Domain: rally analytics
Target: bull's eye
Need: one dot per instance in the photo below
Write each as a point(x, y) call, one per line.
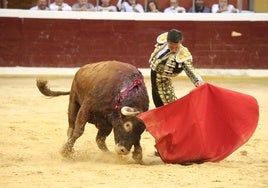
point(128, 126)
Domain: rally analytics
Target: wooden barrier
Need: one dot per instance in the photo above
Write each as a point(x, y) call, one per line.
point(71, 39)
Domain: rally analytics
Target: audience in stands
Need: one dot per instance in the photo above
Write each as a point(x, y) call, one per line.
point(59, 5)
point(105, 6)
point(133, 6)
point(152, 6)
point(223, 7)
point(199, 6)
point(41, 5)
point(174, 7)
point(83, 5)
point(129, 6)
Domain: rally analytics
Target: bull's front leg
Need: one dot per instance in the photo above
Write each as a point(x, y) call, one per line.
point(137, 153)
point(101, 137)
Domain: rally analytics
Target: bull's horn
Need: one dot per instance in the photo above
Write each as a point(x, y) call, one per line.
point(129, 111)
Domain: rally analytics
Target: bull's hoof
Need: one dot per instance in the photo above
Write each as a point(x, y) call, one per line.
point(102, 145)
point(137, 157)
point(67, 151)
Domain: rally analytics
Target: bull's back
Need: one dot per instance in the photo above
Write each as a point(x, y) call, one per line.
point(100, 68)
point(104, 79)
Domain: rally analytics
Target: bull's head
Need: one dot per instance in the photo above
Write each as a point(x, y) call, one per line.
point(127, 131)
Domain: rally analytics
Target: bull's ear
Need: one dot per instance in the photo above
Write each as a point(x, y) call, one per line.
point(129, 111)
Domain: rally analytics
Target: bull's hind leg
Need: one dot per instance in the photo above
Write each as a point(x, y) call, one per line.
point(77, 130)
point(72, 114)
point(101, 137)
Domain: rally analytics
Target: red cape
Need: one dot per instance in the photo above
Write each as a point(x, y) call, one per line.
point(208, 124)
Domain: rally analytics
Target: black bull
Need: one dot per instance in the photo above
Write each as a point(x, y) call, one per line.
point(108, 94)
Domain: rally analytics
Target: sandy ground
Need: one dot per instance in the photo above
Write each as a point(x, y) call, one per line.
point(33, 130)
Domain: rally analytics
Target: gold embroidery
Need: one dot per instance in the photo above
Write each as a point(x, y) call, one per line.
point(162, 38)
point(183, 55)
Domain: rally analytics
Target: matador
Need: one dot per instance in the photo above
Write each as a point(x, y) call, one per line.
point(169, 59)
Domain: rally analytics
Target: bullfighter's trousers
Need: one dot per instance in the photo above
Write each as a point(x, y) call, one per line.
point(162, 89)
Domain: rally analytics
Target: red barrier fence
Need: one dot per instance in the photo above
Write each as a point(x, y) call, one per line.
point(71, 39)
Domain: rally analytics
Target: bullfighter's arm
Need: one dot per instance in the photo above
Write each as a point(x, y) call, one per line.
point(191, 73)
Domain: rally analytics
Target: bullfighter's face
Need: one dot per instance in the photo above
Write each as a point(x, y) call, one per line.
point(174, 47)
point(127, 132)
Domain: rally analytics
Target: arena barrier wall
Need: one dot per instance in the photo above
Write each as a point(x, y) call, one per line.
point(72, 39)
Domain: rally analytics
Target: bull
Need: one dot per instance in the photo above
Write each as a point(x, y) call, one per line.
point(108, 94)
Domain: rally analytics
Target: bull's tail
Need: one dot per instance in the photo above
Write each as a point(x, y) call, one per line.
point(44, 89)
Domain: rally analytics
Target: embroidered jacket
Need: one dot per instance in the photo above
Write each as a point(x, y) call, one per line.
point(168, 65)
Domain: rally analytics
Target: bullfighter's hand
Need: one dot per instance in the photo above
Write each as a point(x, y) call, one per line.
point(199, 83)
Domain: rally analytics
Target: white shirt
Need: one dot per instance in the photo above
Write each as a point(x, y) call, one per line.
point(37, 8)
point(215, 8)
point(126, 7)
point(106, 9)
point(162, 51)
point(175, 10)
point(55, 7)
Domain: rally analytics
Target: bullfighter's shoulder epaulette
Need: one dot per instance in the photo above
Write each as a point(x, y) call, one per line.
point(162, 38)
point(183, 55)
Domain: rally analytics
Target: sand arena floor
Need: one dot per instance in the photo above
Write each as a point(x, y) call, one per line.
point(33, 130)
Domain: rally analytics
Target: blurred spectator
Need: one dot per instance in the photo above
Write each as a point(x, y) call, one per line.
point(199, 6)
point(41, 5)
point(83, 5)
point(4, 4)
point(105, 6)
point(223, 7)
point(174, 7)
point(152, 6)
point(129, 6)
point(59, 5)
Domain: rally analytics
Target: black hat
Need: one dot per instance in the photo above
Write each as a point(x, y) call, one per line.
point(174, 35)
